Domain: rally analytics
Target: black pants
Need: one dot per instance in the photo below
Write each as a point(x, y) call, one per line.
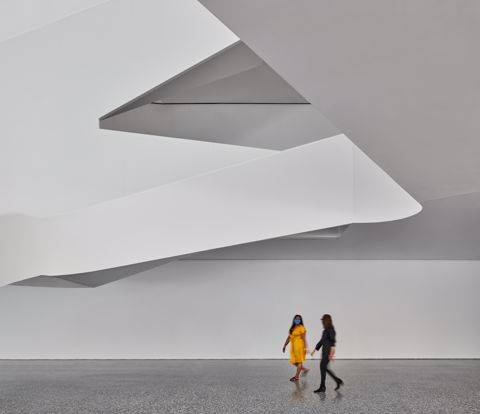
point(324, 370)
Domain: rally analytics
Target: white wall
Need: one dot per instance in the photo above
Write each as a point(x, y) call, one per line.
point(242, 309)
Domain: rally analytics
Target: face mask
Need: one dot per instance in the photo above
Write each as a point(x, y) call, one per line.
point(297, 321)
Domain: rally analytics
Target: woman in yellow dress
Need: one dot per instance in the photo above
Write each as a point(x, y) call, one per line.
point(297, 337)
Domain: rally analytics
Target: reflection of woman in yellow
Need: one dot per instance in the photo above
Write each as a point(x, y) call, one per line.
point(298, 346)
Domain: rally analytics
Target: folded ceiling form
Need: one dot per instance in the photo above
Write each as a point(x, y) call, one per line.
point(235, 98)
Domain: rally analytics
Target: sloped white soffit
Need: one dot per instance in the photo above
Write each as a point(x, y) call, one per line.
point(324, 184)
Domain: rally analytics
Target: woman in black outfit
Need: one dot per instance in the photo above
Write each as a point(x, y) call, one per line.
point(327, 343)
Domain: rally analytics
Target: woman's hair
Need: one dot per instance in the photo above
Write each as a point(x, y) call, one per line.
point(327, 321)
point(293, 322)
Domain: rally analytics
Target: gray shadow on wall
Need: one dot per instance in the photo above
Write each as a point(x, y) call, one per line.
point(92, 279)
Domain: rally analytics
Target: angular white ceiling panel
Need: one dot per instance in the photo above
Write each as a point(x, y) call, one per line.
point(232, 97)
point(234, 74)
point(278, 126)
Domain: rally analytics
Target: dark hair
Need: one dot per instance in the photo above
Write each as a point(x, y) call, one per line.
point(327, 321)
point(293, 323)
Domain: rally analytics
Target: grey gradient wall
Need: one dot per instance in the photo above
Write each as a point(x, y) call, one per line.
point(242, 309)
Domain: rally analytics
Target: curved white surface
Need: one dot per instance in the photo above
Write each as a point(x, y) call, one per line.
point(306, 188)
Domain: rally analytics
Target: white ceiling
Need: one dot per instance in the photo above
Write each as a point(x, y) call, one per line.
point(400, 78)
point(18, 17)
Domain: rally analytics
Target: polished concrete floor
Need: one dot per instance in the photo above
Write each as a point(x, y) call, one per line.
point(65, 387)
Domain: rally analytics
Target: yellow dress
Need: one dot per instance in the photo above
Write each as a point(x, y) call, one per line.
point(297, 345)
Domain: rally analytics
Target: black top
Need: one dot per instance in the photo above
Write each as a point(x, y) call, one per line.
point(328, 339)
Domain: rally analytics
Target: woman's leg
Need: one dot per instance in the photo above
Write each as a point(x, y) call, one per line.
point(335, 378)
point(332, 374)
point(299, 369)
point(323, 374)
point(323, 371)
point(297, 372)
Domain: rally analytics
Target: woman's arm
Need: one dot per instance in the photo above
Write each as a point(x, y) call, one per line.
point(286, 343)
point(331, 355)
point(319, 344)
point(317, 347)
point(333, 341)
point(304, 337)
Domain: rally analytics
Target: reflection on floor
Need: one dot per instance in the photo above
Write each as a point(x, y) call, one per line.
point(236, 387)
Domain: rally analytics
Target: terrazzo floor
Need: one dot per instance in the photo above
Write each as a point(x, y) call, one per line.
point(152, 386)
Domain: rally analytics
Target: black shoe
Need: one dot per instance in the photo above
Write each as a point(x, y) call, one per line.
point(321, 389)
point(339, 384)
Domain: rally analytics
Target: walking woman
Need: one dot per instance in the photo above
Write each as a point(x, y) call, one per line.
point(327, 343)
point(297, 337)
